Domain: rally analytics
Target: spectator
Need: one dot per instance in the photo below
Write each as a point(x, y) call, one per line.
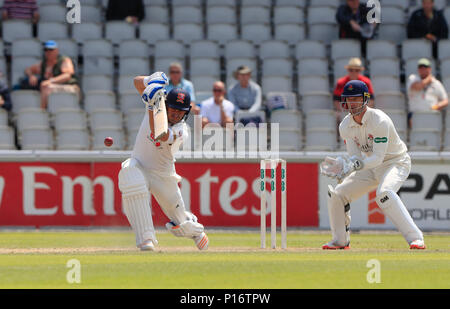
point(245, 94)
point(55, 73)
point(5, 96)
point(428, 23)
point(177, 81)
point(132, 11)
point(352, 19)
point(354, 69)
point(21, 9)
point(217, 109)
point(425, 92)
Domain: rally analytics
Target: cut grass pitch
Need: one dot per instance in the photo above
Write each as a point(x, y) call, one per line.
point(110, 260)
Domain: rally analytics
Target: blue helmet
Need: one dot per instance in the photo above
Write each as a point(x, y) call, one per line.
point(355, 88)
point(179, 99)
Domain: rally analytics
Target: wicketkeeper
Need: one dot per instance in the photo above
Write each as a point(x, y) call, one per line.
point(377, 158)
point(151, 168)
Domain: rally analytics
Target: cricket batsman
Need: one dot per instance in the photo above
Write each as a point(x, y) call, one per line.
point(151, 168)
point(377, 158)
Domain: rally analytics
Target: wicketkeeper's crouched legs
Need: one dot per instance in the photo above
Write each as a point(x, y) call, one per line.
point(136, 201)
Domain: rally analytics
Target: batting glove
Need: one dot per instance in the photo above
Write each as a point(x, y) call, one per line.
point(156, 78)
point(152, 93)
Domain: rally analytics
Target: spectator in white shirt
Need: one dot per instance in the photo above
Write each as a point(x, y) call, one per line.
point(217, 109)
point(425, 92)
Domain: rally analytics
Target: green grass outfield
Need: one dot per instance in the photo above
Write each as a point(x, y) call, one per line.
point(37, 259)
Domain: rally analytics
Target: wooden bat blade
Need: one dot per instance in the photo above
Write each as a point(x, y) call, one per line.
point(160, 118)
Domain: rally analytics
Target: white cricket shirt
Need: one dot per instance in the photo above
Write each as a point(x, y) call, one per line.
point(375, 141)
point(158, 157)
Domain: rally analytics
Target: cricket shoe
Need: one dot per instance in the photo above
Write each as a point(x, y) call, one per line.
point(148, 245)
point(333, 246)
point(417, 245)
point(201, 241)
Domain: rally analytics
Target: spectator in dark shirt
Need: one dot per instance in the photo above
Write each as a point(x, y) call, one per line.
point(5, 97)
point(21, 9)
point(133, 11)
point(428, 23)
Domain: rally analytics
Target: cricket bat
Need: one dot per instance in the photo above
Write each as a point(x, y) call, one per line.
point(160, 117)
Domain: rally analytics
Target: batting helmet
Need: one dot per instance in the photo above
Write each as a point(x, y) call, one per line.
point(355, 88)
point(179, 99)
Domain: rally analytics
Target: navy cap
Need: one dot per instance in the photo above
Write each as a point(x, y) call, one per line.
point(179, 98)
point(50, 45)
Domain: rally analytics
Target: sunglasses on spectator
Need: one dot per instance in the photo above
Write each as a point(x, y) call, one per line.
point(354, 70)
point(48, 49)
point(217, 90)
point(175, 72)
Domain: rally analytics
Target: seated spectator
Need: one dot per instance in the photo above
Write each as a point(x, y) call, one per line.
point(55, 73)
point(428, 23)
point(177, 81)
point(132, 11)
point(246, 94)
point(21, 9)
point(425, 92)
point(354, 69)
point(5, 96)
point(352, 19)
point(217, 109)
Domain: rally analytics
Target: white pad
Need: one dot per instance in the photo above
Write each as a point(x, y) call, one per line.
point(339, 216)
point(189, 228)
point(395, 210)
point(136, 201)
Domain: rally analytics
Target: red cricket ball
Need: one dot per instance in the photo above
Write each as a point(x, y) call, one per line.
point(108, 141)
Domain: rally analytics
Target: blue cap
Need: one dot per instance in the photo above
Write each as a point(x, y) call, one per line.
point(50, 44)
point(355, 88)
point(179, 98)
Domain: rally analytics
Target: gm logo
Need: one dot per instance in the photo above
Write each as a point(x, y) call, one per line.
point(384, 199)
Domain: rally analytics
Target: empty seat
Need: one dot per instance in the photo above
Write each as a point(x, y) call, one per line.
point(97, 82)
point(322, 24)
point(446, 140)
point(130, 101)
point(70, 119)
point(385, 66)
point(447, 13)
point(100, 48)
point(392, 32)
point(134, 119)
point(274, 49)
point(186, 14)
point(256, 33)
point(69, 47)
point(427, 120)
point(90, 13)
point(126, 84)
point(26, 47)
point(188, 32)
point(320, 119)
point(32, 119)
point(298, 3)
point(95, 100)
point(425, 140)
point(291, 33)
point(52, 13)
point(157, 14)
point(58, 101)
point(239, 49)
point(153, 32)
point(52, 31)
point(162, 64)
point(25, 99)
point(36, 139)
point(310, 49)
point(99, 136)
point(321, 140)
point(315, 101)
point(72, 139)
point(416, 49)
point(287, 100)
point(277, 67)
point(203, 82)
point(222, 32)
point(288, 15)
point(3, 118)
point(321, 3)
point(289, 140)
point(118, 31)
point(385, 84)
point(444, 49)
point(276, 83)
point(265, 3)
point(403, 4)
point(393, 15)
point(345, 48)
point(312, 66)
point(133, 65)
point(19, 64)
point(196, 3)
point(399, 119)
point(213, 3)
point(287, 118)
point(393, 100)
point(86, 31)
point(308, 84)
point(15, 29)
point(205, 66)
point(134, 48)
point(255, 15)
point(204, 49)
point(169, 49)
point(445, 68)
point(105, 119)
point(220, 15)
point(7, 139)
point(381, 49)
point(94, 65)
